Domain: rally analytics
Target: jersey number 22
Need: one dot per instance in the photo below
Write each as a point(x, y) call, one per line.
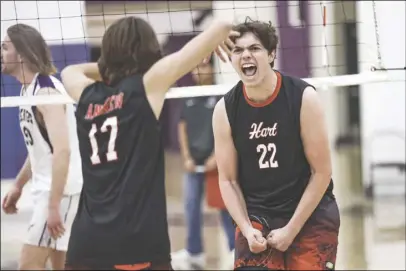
point(111, 154)
point(264, 149)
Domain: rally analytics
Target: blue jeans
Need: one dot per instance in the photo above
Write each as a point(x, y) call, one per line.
point(193, 190)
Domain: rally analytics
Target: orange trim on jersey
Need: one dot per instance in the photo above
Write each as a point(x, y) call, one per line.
point(137, 266)
point(270, 99)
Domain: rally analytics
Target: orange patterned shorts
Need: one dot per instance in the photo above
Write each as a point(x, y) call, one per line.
point(314, 248)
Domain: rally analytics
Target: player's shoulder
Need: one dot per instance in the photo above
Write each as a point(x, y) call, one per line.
point(220, 106)
point(220, 115)
point(46, 82)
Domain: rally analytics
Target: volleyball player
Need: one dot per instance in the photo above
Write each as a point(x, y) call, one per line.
point(53, 161)
point(122, 221)
point(274, 162)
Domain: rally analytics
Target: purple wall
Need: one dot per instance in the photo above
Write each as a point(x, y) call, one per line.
point(294, 46)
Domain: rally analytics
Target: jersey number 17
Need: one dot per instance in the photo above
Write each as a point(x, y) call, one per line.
point(111, 154)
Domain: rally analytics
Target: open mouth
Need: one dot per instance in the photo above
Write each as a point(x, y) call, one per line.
point(249, 69)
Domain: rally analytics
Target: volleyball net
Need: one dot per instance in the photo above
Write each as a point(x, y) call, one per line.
point(312, 44)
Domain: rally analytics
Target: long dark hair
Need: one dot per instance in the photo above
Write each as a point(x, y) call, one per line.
point(129, 46)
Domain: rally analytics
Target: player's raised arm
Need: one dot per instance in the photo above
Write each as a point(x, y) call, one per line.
point(77, 77)
point(171, 68)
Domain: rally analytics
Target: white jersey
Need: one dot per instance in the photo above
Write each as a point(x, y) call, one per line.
point(39, 146)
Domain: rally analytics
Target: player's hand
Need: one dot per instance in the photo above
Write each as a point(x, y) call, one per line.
point(54, 223)
point(190, 165)
point(10, 200)
point(281, 239)
point(226, 46)
point(256, 240)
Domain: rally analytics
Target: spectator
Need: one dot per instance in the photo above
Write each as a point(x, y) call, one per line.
point(197, 149)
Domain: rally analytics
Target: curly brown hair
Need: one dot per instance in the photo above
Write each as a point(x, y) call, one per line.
point(264, 31)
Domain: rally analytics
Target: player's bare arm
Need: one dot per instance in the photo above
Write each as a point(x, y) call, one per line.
point(77, 77)
point(316, 146)
point(171, 68)
point(210, 163)
point(57, 127)
point(24, 175)
point(226, 158)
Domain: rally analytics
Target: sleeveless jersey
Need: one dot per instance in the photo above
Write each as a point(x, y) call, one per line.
point(122, 211)
point(38, 144)
point(273, 171)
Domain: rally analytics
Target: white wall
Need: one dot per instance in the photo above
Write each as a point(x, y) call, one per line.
point(54, 19)
point(383, 104)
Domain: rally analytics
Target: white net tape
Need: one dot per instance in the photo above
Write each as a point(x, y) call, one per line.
point(321, 83)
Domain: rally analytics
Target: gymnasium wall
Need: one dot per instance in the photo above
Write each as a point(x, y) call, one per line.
point(303, 42)
point(66, 39)
point(383, 104)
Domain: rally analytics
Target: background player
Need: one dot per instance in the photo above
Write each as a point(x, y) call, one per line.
point(121, 221)
point(53, 161)
point(197, 148)
point(278, 185)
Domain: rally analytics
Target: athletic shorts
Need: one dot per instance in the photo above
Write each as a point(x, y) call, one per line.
point(138, 266)
point(314, 248)
point(38, 234)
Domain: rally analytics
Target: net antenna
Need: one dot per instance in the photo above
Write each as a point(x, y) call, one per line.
point(379, 65)
point(324, 35)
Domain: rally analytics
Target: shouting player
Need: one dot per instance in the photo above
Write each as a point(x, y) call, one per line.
point(273, 156)
point(53, 162)
point(122, 221)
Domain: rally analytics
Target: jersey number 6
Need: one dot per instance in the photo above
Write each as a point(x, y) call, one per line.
point(111, 154)
point(264, 149)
